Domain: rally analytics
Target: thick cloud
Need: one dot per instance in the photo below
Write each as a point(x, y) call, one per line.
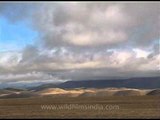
point(97, 25)
point(84, 41)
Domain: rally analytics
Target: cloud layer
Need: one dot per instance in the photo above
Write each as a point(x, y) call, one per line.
point(87, 40)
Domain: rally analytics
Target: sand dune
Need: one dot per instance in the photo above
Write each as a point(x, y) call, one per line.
point(62, 92)
point(20, 95)
point(154, 92)
point(114, 92)
point(94, 92)
point(81, 92)
point(5, 92)
point(51, 91)
point(88, 94)
point(128, 93)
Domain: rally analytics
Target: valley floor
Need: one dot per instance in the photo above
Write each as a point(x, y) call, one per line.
point(81, 107)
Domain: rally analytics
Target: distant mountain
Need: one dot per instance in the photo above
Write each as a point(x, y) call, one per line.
point(145, 82)
point(15, 89)
point(44, 86)
point(139, 83)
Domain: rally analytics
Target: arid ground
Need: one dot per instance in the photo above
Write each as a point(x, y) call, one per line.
point(81, 107)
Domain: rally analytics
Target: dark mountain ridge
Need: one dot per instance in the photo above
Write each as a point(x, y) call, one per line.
point(139, 83)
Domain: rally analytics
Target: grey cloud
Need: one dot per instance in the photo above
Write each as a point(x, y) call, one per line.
point(155, 51)
point(29, 53)
point(87, 40)
point(136, 25)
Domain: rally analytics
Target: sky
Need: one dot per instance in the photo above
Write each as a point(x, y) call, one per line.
point(59, 41)
point(11, 40)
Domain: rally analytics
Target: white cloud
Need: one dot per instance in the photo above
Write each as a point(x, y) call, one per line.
point(9, 58)
point(141, 53)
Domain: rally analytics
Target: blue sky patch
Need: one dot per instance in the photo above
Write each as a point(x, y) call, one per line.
point(15, 36)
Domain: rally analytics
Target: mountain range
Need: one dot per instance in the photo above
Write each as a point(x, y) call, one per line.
point(138, 83)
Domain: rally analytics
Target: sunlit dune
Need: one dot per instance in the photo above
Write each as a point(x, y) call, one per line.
point(52, 91)
point(58, 91)
point(80, 92)
point(94, 92)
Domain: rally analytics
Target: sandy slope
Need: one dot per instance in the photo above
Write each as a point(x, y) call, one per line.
point(58, 91)
point(154, 92)
point(92, 92)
